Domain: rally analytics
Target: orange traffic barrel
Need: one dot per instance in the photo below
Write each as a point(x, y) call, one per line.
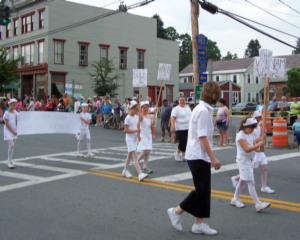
point(268, 122)
point(280, 133)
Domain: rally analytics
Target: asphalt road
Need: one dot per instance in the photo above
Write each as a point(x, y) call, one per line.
point(52, 194)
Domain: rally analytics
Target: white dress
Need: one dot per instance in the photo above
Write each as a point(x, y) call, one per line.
point(259, 157)
point(146, 135)
point(131, 138)
point(12, 120)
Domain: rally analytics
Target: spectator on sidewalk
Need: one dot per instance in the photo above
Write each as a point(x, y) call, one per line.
point(294, 110)
point(283, 106)
point(117, 111)
point(165, 115)
point(296, 128)
point(272, 107)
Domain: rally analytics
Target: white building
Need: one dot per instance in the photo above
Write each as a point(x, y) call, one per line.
point(57, 51)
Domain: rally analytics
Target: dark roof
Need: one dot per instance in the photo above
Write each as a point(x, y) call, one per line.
point(244, 63)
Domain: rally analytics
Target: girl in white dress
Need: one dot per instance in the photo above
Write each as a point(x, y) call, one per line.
point(10, 129)
point(145, 136)
point(246, 145)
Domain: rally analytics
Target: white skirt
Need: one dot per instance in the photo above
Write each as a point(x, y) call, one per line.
point(145, 143)
point(259, 159)
point(9, 136)
point(246, 170)
point(84, 134)
point(131, 145)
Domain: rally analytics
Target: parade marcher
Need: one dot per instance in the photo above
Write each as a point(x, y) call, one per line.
point(294, 110)
point(10, 129)
point(131, 129)
point(180, 117)
point(199, 157)
point(117, 114)
point(165, 123)
point(246, 145)
point(145, 136)
point(222, 122)
point(84, 133)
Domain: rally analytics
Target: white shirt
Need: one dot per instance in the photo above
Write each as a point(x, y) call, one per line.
point(257, 132)
point(182, 115)
point(241, 154)
point(76, 106)
point(200, 125)
point(86, 116)
point(132, 122)
point(12, 120)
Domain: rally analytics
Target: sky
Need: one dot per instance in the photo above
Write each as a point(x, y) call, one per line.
point(227, 33)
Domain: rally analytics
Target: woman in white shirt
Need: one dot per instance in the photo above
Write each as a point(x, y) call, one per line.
point(199, 157)
point(180, 117)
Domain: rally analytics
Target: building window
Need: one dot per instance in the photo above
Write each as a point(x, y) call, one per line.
point(217, 78)
point(248, 78)
point(15, 52)
point(248, 97)
point(257, 97)
point(123, 57)
point(169, 93)
point(185, 80)
point(234, 79)
point(83, 53)
point(27, 54)
point(8, 30)
point(235, 97)
point(58, 80)
point(41, 18)
point(41, 51)
point(27, 23)
point(7, 51)
point(141, 58)
point(0, 32)
point(16, 26)
point(59, 51)
point(103, 53)
point(256, 80)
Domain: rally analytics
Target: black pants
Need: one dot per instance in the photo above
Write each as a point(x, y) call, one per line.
point(182, 136)
point(197, 202)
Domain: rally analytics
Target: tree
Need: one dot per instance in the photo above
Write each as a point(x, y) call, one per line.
point(105, 78)
point(297, 51)
point(293, 82)
point(171, 33)
point(213, 52)
point(8, 69)
point(230, 56)
point(252, 49)
point(161, 32)
point(185, 51)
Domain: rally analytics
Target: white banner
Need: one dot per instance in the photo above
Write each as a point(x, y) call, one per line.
point(277, 69)
point(37, 122)
point(262, 64)
point(164, 71)
point(139, 77)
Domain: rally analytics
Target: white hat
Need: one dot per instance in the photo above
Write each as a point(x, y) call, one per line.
point(132, 103)
point(12, 101)
point(84, 105)
point(256, 114)
point(250, 121)
point(144, 103)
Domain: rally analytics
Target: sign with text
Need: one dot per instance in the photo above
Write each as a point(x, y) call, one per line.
point(262, 63)
point(36, 122)
point(201, 41)
point(202, 53)
point(202, 64)
point(198, 91)
point(139, 77)
point(68, 88)
point(164, 71)
point(202, 77)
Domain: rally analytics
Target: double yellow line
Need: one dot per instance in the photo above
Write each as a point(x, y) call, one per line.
point(185, 188)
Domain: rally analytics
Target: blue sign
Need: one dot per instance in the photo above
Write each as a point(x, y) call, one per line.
point(202, 53)
point(201, 41)
point(202, 64)
point(202, 77)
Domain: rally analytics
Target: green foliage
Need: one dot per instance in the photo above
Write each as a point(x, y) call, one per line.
point(8, 69)
point(171, 33)
point(213, 52)
point(185, 51)
point(230, 56)
point(161, 32)
point(297, 51)
point(105, 78)
point(252, 49)
point(293, 82)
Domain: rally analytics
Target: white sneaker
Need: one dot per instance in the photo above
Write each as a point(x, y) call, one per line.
point(169, 140)
point(261, 206)
point(234, 181)
point(162, 140)
point(126, 174)
point(203, 228)
point(237, 203)
point(96, 125)
point(10, 165)
point(183, 159)
point(267, 190)
point(80, 155)
point(177, 156)
point(175, 219)
point(142, 176)
point(91, 155)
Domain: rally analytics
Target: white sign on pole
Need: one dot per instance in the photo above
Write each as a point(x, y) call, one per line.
point(262, 64)
point(277, 69)
point(139, 77)
point(47, 123)
point(164, 71)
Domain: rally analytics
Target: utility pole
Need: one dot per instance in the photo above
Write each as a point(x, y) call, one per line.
point(195, 32)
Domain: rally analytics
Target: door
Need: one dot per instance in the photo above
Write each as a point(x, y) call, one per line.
point(27, 86)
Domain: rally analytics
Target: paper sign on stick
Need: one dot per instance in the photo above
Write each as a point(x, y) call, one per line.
point(277, 69)
point(139, 78)
point(262, 64)
point(164, 71)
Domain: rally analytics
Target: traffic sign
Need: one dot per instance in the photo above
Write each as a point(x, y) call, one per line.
point(202, 77)
point(202, 64)
point(12, 85)
point(202, 53)
point(201, 41)
point(198, 91)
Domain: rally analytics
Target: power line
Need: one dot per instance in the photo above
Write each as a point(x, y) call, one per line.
point(273, 14)
point(289, 6)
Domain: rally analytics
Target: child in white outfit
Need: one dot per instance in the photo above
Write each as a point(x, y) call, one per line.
point(246, 146)
point(10, 129)
point(85, 118)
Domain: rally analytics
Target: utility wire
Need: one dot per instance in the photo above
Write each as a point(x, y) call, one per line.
point(273, 14)
point(289, 6)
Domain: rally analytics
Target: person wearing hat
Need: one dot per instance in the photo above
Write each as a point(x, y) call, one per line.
point(10, 129)
point(131, 129)
point(246, 147)
point(84, 133)
point(260, 158)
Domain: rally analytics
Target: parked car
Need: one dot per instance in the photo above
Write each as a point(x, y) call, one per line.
point(244, 108)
